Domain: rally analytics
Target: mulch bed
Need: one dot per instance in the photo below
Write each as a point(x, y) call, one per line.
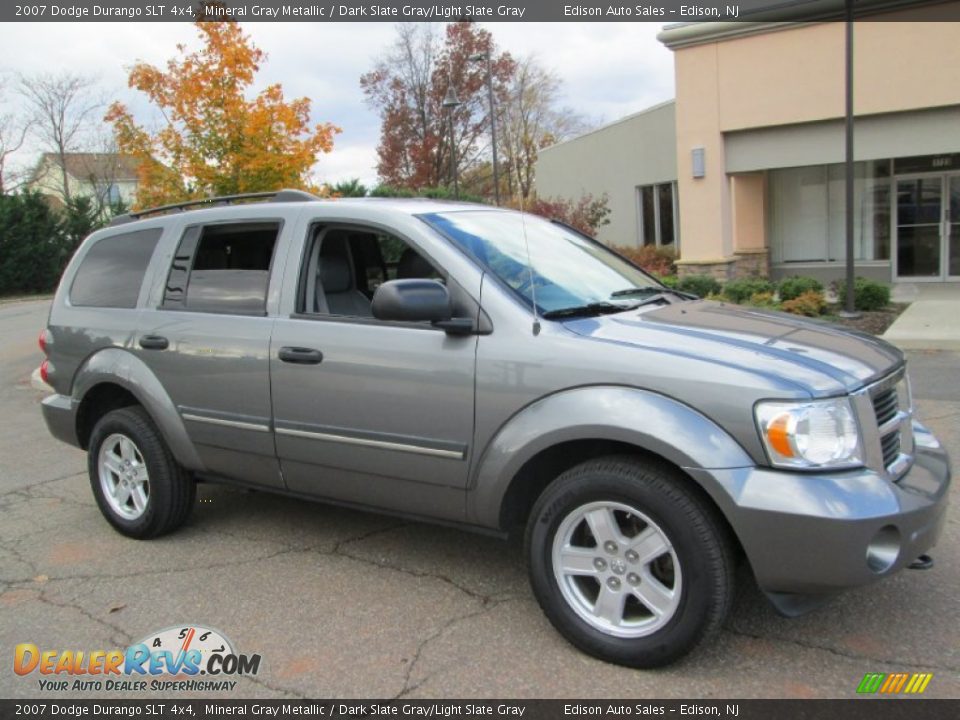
point(875, 322)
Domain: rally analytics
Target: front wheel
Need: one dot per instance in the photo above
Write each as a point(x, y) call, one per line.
point(628, 563)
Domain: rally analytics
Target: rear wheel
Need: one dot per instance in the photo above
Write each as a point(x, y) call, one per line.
point(138, 485)
point(629, 564)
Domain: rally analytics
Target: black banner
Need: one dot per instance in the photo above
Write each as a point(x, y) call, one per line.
point(854, 709)
point(663, 11)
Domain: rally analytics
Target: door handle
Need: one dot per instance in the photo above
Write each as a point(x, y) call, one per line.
point(154, 342)
point(300, 356)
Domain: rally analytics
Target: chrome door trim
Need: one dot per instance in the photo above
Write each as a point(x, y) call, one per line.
point(239, 425)
point(368, 442)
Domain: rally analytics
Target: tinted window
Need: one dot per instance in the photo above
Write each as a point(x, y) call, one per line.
point(113, 269)
point(223, 268)
point(535, 257)
point(343, 268)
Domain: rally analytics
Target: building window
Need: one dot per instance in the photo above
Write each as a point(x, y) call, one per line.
point(808, 213)
point(658, 214)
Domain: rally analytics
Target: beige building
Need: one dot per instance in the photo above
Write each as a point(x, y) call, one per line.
point(758, 140)
point(107, 178)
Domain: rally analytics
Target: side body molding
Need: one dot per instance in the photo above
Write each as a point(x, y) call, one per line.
point(654, 422)
point(120, 367)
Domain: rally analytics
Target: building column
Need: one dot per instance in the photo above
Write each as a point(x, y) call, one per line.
point(749, 224)
point(705, 218)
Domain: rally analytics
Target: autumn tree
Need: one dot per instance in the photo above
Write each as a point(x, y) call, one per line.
point(586, 214)
point(214, 140)
point(407, 88)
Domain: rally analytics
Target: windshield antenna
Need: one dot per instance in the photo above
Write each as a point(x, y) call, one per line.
point(526, 242)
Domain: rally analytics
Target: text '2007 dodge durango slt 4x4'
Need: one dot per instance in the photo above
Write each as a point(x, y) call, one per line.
point(483, 367)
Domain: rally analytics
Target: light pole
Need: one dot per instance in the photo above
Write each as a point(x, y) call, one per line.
point(451, 102)
point(849, 307)
point(493, 123)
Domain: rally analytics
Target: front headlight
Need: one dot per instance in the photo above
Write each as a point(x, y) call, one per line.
point(813, 434)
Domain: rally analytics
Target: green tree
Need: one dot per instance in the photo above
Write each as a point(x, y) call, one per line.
point(349, 188)
point(79, 218)
point(32, 245)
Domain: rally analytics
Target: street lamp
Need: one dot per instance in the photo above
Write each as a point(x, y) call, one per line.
point(493, 123)
point(451, 102)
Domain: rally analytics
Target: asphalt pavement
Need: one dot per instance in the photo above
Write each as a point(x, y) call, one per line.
point(354, 605)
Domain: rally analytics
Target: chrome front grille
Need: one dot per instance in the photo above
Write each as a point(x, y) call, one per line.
point(888, 429)
point(890, 447)
point(885, 405)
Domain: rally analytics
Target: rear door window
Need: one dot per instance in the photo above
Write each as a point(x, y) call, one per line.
point(222, 268)
point(112, 271)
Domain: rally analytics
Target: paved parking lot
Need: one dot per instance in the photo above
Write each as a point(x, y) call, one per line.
point(348, 604)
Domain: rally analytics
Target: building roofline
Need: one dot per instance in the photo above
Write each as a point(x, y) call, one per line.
point(614, 123)
point(774, 16)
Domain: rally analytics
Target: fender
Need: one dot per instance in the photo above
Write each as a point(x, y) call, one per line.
point(654, 422)
point(120, 367)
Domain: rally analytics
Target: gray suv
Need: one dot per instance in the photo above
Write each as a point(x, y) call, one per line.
point(481, 367)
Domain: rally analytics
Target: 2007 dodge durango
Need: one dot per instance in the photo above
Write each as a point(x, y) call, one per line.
point(478, 366)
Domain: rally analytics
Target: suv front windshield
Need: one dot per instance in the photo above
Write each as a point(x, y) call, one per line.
point(569, 271)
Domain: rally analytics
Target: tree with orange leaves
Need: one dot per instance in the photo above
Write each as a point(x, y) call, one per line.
point(214, 140)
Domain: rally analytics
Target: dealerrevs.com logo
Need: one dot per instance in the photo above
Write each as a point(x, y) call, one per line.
point(169, 660)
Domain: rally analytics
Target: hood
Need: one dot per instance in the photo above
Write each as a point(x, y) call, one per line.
point(818, 356)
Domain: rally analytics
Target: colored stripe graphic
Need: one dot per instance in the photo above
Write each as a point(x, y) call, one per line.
point(870, 683)
point(894, 683)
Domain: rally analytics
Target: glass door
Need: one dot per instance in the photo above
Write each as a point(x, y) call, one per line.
point(920, 222)
point(952, 226)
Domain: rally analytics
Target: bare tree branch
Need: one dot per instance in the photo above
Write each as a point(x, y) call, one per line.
point(14, 129)
point(65, 108)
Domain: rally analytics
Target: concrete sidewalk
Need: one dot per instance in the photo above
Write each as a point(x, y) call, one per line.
point(932, 322)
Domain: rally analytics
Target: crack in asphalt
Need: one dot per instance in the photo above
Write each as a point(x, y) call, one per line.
point(487, 602)
point(340, 548)
point(126, 638)
point(409, 687)
point(275, 688)
point(893, 662)
point(25, 490)
point(166, 571)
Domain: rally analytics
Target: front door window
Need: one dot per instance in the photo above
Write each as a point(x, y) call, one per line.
point(928, 227)
point(953, 227)
point(919, 222)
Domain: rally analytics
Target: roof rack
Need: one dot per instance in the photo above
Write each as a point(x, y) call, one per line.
point(278, 196)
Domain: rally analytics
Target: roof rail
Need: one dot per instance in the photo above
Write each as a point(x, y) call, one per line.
point(278, 196)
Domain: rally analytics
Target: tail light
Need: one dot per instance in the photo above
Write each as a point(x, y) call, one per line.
point(45, 371)
point(43, 340)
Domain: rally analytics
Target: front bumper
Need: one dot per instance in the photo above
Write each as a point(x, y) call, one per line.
point(813, 534)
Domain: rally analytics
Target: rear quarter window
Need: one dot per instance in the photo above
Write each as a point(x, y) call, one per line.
point(112, 271)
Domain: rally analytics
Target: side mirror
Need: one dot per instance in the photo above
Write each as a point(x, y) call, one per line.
point(412, 301)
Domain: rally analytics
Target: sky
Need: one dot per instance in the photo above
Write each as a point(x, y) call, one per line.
point(608, 70)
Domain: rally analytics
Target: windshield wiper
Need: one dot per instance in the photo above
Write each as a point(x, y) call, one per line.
point(587, 310)
point(654, 291)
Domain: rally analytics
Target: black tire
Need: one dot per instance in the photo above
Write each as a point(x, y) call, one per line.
point(172, 490)
point(699, 542)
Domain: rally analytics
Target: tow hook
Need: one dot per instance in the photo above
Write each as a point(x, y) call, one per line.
point(923, 562)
